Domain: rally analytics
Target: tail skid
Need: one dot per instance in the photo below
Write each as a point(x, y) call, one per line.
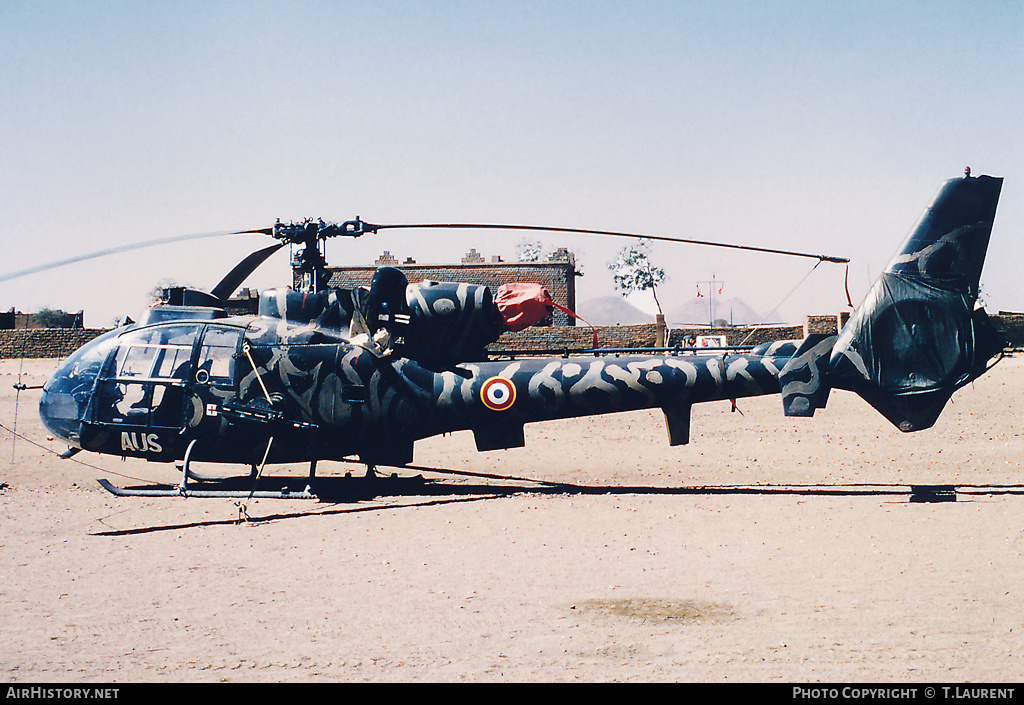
point(917, 337)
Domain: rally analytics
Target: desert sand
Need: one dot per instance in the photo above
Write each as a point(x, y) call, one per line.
point(768, 549)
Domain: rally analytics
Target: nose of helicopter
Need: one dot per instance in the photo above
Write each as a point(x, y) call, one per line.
point(59, 411)
point(65, 396)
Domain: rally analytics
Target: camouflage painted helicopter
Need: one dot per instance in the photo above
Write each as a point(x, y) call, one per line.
point(330, 374)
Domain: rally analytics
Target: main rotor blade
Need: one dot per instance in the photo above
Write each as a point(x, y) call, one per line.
point(126, 248)
point(543, 228)
point(233, 279)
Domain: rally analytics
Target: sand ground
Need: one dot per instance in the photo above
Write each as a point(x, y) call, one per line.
point(769, 549)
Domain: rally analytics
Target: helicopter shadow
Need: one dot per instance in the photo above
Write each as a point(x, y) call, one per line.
point(348, 494)
point(351, 488)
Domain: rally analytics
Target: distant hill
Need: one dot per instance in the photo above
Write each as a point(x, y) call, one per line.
point(612, 311)
point(696, 311)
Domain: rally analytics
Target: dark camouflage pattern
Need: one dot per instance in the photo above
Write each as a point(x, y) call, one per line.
point(357, 373)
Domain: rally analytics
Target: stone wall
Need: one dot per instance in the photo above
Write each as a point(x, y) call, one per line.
point(558, 338)
point(642, 336)
point(61, 342)
point(1012, 324)
point(825, 324)
point(44, 342)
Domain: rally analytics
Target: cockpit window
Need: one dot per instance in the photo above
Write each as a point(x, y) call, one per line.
point(162, 352)
point(145, 381)
point(216, 355)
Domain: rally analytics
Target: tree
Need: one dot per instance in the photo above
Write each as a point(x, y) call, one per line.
point(633, 271)
point(53, 318)
point(529, 250)
point(156, 294)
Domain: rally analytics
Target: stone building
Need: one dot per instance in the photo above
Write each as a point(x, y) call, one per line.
point(47, 318)
point(557, 274)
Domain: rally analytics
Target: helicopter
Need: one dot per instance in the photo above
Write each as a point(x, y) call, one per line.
point(322, 374)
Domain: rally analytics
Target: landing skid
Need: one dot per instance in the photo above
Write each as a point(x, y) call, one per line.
point(188, 491)
point(217, 486)
point(328, 489)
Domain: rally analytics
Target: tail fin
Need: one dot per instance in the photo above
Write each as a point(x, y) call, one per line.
point(918, 337)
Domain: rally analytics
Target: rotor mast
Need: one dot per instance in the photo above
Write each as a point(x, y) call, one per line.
point(309, 266)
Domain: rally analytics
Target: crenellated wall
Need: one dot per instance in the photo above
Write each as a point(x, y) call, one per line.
point(61, 342)
point(44, 342)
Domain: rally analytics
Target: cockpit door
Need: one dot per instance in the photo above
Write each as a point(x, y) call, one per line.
point(210, 416)
point(143, 390)
point(215, 365)
point(213, 381)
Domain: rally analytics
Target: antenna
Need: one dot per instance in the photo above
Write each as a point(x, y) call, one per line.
point(713, 285)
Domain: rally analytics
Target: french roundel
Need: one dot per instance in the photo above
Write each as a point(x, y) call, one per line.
point(498, 394)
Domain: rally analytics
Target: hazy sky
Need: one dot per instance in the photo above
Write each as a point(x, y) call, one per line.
point(814, 126)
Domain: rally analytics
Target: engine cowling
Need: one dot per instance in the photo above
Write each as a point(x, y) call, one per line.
point(450, 323)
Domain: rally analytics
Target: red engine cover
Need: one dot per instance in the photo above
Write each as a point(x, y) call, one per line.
point(522, 304)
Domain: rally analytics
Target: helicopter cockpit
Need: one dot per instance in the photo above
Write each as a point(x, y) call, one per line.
point(140, 381)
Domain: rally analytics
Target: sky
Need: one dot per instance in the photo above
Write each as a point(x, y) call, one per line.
point(819, 127)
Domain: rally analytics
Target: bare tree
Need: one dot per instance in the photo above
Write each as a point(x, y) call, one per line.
point(156, 294)
point(634, 271)
point(529, 250)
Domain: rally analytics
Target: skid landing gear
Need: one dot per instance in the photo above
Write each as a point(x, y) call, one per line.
point(193, 491)
point(217, 486)
point(256, 485)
